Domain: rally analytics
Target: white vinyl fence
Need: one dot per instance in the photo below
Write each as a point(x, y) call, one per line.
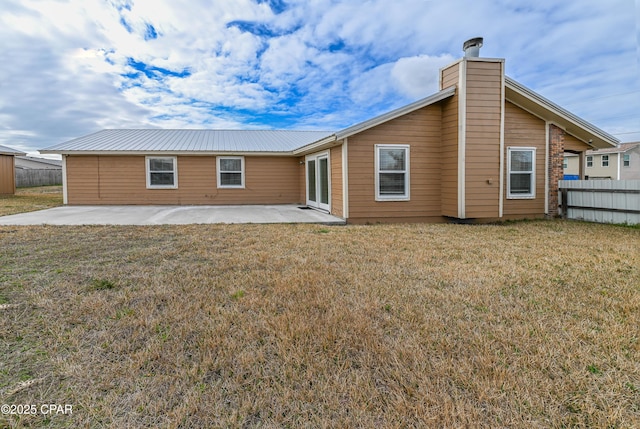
point(604, 201)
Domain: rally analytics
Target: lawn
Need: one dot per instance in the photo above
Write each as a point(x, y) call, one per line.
point(519, 325)
point(31, 199)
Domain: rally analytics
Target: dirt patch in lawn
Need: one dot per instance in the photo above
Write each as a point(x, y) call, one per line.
point(531, 324)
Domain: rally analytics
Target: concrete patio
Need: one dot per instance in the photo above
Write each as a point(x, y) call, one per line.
point(171, 215)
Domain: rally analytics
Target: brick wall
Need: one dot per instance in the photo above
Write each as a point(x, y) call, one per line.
point(556, 155)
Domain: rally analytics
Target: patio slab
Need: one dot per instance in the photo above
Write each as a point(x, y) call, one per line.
point(171, 215)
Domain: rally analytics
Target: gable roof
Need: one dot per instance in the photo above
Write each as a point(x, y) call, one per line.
point(134, 141)
point(535, 103)
point(378, 120)
point(4, 150)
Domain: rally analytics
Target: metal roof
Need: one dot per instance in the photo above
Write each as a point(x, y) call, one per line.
point(4, 150)
point(198, 141)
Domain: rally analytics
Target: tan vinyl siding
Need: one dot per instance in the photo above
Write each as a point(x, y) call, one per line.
point(336, 181)
point(522, 129)
point(449, 157)
point(122, 180)
point(483, 110)
point(449, 76)
point(419, 129)
point(449, 148)
point(7, 175)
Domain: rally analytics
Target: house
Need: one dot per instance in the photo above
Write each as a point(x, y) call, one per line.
point(482, 148)
point(619, 163)
point(7, 170)
point(37, 163)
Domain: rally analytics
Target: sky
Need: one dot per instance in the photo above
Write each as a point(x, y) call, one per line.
point(69, 68)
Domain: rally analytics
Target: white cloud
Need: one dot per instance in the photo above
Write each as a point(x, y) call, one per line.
point(319, 64)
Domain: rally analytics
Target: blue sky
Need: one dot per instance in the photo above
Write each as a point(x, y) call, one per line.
point(70, 68)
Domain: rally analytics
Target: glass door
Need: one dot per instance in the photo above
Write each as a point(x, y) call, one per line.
point(318, 191)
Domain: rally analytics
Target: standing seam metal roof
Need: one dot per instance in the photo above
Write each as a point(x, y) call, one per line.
point(161, 140)
point(4, 150)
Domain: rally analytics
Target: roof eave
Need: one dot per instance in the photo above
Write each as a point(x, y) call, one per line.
point(315, 146)
point(551, 112)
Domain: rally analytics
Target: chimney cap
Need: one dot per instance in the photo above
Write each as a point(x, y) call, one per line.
point(472, 47)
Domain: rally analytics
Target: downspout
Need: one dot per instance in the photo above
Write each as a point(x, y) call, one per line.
point(502, 154)
point(65, 195)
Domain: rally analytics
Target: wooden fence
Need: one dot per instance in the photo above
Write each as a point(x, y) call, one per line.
point(604, 201)
point(37, 177)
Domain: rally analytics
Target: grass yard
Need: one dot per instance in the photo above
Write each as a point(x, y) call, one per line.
point(31, 199)
point(519, 325)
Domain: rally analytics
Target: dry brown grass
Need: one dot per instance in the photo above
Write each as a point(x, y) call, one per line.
point(521, 325)
point(31, 199)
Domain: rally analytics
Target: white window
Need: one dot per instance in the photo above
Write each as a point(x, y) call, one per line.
point(392, 172)
point(565, 163)
point(626, 160)
point(162, 172)
point(589, 161)
point(605, 160)
point(522, 172)
point(230, 171)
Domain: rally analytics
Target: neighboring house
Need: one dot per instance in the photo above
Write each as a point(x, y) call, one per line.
point(482, 148)
point(34, 171)
point(7, 170)
point(618, 163)
point(36, 163)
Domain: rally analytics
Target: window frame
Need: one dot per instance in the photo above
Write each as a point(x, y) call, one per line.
point(219, 173)
point(605, 158)
point(626, 160)
point(532, 180)
point(406, 196)
point(589, 161)
point(174, 160)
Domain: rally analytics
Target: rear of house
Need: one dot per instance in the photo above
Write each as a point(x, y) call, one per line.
point(482, 148)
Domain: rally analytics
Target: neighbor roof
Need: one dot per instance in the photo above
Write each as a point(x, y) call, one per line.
point(4, 150)
point(188, 141)
point(622, 148)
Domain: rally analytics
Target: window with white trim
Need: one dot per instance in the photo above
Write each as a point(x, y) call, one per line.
point(589, 161)
point(626, 160)
point(230, 171)
point(392, 172)
point(162, 172)
point(605, 160)
point(521, 166)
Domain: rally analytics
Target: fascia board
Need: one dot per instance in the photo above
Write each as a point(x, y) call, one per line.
point(315, 146)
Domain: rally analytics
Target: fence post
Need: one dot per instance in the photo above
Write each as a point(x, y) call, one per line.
point(565, 202)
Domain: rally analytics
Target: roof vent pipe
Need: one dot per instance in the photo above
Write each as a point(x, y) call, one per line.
point(472, 47)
